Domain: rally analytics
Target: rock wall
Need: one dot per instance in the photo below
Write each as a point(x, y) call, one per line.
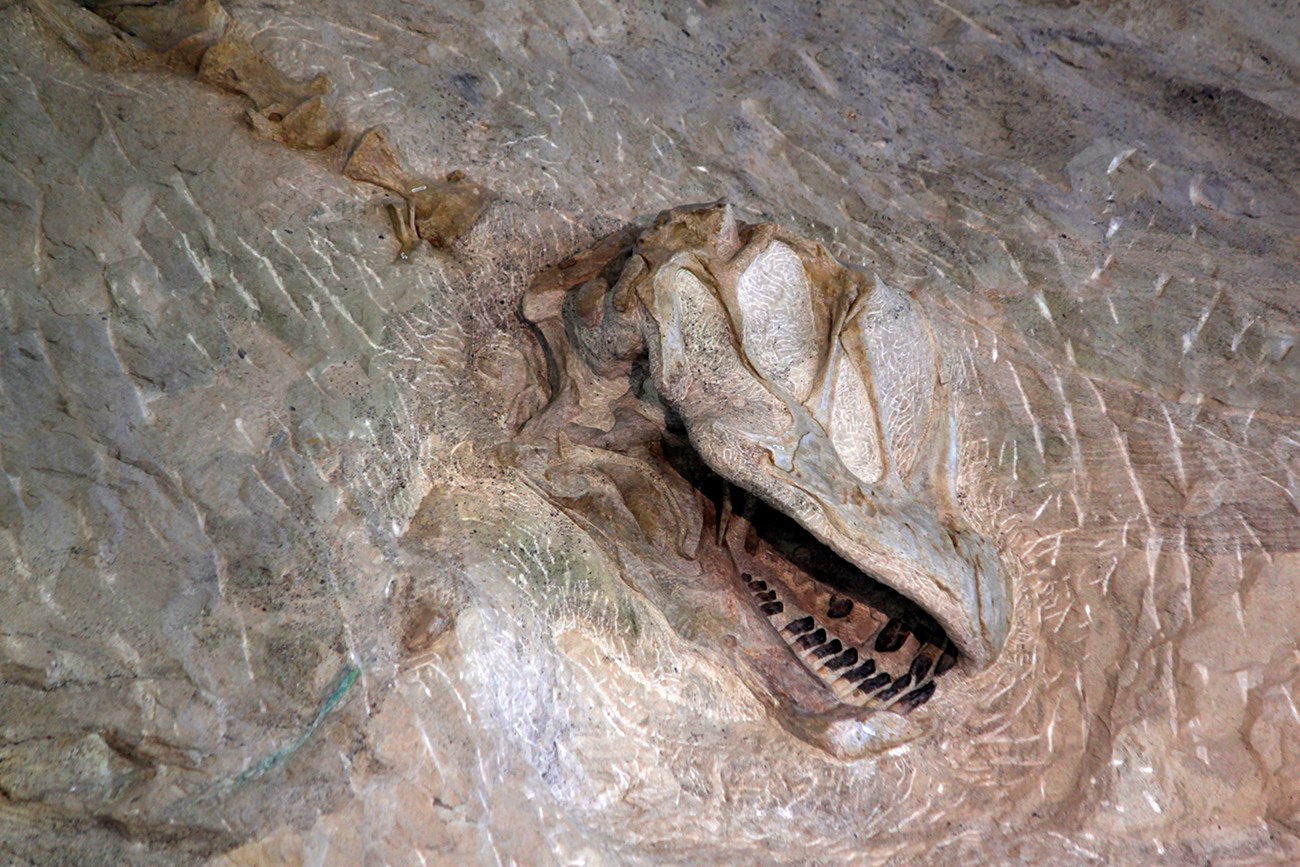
point(278, 584)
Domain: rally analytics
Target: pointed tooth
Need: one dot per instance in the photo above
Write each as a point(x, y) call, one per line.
point(839, 607)
point(800, 626)
point(926, 633)
point(812, 639)
point(862, 672)
point(873, 683)
point(892, 637)
point(947, 660)
point(848, 681)
point(844, 660)
point(916, 698)
point(895, 688)
point(923, 662)
point(830, 648)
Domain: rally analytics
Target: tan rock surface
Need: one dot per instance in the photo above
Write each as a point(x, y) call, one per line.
point(278, 585)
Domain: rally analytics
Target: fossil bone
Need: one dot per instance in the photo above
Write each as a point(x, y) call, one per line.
point(439, 211)
point(224, 405)
point(815, 387)
point(199, 35)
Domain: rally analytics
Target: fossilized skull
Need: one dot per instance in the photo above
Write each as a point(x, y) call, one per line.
point(820, 390)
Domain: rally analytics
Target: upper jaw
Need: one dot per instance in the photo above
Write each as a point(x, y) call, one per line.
point(954, 574)
point(821, 393)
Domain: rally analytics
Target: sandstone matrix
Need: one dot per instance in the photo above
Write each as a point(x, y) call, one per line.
point(387, 419)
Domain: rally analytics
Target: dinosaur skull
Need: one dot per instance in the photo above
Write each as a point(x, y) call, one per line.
point(816, 389)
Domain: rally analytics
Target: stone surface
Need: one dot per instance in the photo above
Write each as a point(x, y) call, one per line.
point(278, 584)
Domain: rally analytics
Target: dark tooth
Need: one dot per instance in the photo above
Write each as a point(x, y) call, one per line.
point(895, 688)
point(916, 698)
point(924, 633)
point(839, 607)
point(746, 577)
point(800, 626)
point(758, 586)
point(831, 648)
point(773, 608)
point(844, 660)
point(947, 660)
point(811, 640)
point(892, 637)
point(920, 666)
point(866, 669)
point(769, 596)
point(872, 684)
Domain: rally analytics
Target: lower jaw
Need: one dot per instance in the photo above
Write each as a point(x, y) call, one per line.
point(853, 667)
point(862, 655)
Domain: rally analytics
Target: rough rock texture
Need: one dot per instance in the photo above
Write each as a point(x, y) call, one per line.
point(277, 588)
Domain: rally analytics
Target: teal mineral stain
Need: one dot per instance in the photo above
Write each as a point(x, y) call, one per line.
point(336, 696)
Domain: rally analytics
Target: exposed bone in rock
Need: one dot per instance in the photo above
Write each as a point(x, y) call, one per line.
point(298, 114)
point(779, 335)
point(437, 211)
point(182, 29)
point(853, 426)
point(200, 35)
point(294, 569)
point(895, 342)
point(805, 319)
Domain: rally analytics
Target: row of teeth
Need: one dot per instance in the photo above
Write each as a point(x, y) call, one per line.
point(850, 673)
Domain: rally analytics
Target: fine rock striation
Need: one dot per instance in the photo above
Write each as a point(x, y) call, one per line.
point(308, 555)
